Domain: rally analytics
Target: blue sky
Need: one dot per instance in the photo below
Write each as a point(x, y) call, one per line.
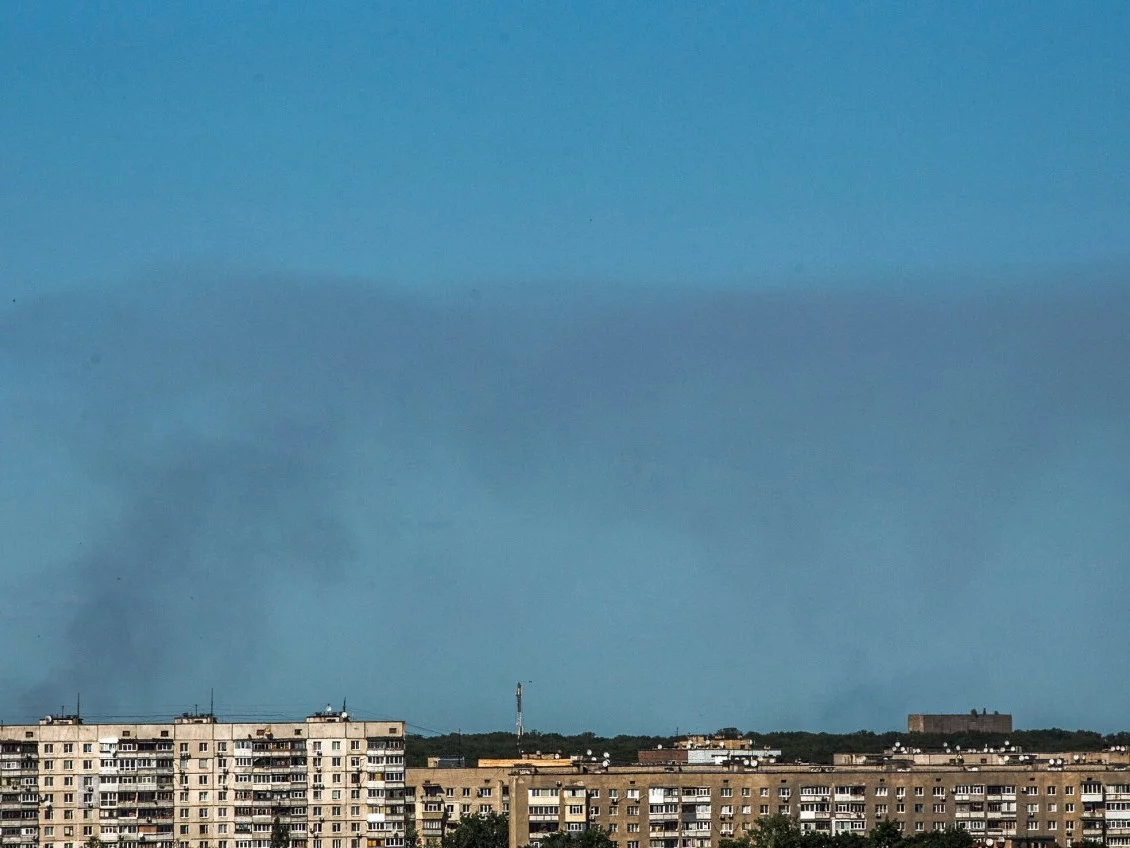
point(729, 364)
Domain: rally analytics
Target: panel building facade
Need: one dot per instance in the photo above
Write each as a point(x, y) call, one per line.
point(1042, 798)
point(201, 783)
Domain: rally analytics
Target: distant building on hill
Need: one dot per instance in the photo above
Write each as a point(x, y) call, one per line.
point(970, 722)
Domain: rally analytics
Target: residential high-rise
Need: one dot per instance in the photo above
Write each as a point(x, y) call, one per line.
point(202, 783)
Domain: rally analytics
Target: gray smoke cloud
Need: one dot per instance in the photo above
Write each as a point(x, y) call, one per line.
point(694, 508)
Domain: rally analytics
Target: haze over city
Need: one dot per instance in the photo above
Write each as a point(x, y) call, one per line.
point(745, 366)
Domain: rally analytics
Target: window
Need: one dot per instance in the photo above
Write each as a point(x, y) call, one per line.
point(1051, 790)
point(727, 792)
point(747, 809)
point(1069, 790)
point(939, 792)
point(745, 792)
point(918, 793)
point(880, 791)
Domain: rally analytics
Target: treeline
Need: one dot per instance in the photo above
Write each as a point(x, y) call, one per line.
point(784, 832)
point(794, 745)
point(475, 746)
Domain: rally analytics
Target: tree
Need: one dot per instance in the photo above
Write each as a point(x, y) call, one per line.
point(93, 842)
point(489, 830)
point(948, 838)
point(280, 834)
point(593, 837)
point(411, 836)
point(886, 834)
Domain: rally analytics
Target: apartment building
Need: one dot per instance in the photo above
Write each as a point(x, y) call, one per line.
point(437, 798)
point(201, 783)
point(1059, 798)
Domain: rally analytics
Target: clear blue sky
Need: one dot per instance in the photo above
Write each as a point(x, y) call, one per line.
point(509, 334)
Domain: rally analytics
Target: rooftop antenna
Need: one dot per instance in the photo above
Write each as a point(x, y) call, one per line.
point(212, 701)
point(518, 697)
point(78, 705)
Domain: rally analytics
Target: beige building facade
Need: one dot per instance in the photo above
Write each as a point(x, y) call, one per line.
point(696, 806)
point(201, 783)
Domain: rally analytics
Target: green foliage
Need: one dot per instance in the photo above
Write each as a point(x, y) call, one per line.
point(490, 830)
point(784, 832)
point(794, 745)
point(280, 834)
point(93, 842)
point(475, 746)
point(593, 837)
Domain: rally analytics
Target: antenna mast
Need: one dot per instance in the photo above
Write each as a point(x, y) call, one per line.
point(518, 697)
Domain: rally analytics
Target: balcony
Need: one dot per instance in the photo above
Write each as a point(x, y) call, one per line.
point(815, 815)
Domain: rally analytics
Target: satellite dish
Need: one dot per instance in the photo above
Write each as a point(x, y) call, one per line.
point(606, 755)
point(588, 753)
point(607, 762)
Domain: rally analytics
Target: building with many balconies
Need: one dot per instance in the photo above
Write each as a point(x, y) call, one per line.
point(201, 783)
point(1005, 796)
